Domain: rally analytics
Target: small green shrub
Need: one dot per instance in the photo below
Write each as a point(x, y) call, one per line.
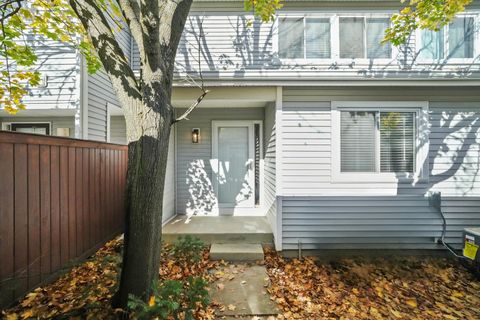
point(172, 299)
point(187, 248)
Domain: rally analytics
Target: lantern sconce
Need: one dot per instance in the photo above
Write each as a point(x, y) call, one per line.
point(195, 135)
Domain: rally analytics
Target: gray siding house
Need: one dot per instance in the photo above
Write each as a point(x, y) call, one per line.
point(333, 138)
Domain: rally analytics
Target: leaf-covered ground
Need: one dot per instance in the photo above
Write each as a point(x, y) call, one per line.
point(85, 291)
point(400, 288)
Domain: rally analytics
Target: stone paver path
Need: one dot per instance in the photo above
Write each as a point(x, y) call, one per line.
point(241, 291)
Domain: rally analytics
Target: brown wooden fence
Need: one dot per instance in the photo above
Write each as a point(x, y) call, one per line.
point(60, 199)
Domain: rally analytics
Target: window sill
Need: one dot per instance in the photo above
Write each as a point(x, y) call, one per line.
point(337, 61)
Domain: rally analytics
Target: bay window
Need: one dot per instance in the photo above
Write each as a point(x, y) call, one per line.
point(455, 40)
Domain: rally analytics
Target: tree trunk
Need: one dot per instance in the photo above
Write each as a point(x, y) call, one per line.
point(156, 26)
point(147, 162)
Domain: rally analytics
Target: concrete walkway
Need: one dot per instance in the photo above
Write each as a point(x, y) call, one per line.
point(241, 291)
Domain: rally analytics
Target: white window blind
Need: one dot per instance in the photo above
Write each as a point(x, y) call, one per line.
point(360, 133)
point(357, 136)
point(397, 144)
point(460, 38)
point(375, 33)
point(317, 34)
point(290, 34)
point(352, 44)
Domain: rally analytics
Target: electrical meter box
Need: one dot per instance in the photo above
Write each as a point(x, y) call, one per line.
point(471, 243)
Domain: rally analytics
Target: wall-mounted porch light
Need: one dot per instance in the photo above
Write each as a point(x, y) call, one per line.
point(195, 135)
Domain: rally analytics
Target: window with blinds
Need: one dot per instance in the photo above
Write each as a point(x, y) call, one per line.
point(377, 141)
point(361, 37)
point(304, 38)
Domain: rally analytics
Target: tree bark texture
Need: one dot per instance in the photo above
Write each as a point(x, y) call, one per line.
point(156, 26)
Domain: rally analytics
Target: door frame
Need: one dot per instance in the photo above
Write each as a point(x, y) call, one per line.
point(239, 123)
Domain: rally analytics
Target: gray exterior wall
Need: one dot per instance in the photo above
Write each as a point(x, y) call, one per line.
point(270, 170)
point(169, 191)
point(59, 66)
point(195, 192)
point(118, 134)
point(328, 215)
point(118, 130)
point(219, 34)
point(55, 122)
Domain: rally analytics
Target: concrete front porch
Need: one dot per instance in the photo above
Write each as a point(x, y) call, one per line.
point(220, 229)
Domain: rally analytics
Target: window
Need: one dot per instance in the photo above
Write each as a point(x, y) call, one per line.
point(377, 141)
point(460, 38)
point(304, 38)
point(457, 38)
point(37, 128)
point(361, 37)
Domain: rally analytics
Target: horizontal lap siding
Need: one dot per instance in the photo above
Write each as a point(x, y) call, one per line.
point(100, 93)
point(59, 67)
point(270, 141)
point(61, 199)
point(400, 222)
point(220, 35)
point(118, 130)
point(327, 215)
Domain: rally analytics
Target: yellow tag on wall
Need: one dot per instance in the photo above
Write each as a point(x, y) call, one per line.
point(470, 250)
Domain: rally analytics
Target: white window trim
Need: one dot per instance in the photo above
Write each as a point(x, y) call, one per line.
point(6, 125)
point(476, 44)
point(334, 40)
point(421, 142)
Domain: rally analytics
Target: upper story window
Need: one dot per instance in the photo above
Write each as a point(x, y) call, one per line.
point(456, 40)
point(361, 37)
point(332, 37)
point(304, 38)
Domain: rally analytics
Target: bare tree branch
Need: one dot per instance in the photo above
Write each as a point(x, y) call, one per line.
point(3, 8)
point(192, 107)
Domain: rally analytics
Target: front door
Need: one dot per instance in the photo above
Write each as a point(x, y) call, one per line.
point(234, 174)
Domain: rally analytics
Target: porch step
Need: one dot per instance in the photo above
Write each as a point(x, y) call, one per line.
point(220, 230)
point(236, 252)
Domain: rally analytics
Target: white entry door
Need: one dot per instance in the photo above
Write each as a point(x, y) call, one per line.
point(234, 154)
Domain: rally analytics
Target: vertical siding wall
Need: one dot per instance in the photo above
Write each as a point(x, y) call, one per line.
point(324, 214)
point(60, 200)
